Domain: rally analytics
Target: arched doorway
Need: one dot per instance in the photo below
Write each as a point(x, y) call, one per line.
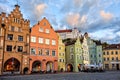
point(79, 67)
point(12, 64)
point(36, 66)
point(69, 68)
point(25, 71)
point(49, 66)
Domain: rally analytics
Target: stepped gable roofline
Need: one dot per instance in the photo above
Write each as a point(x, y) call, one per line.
point(112, 46)
point(62, 31)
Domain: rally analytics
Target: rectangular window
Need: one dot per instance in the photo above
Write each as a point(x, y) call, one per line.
point(53, 42)
point(53, 53)
point(112, 53)
point(47, 52)
point(32, 50)
point(10, 36)
point(19, 29)
point(63, 60)
point(41, 29)
point(20, 38)
point(112, 58)
point(47, 41)
point(40, 51)
point(9, 48)
point(116, 52)
point(59, 54)
point(71, 56)
point(33, 39)
point(47, 31)
point(103, 53)
point(40, 40)
point(107, 53)
point(20, 48)
point(12, 28)
point(59, 48)
point(60, 60)
point(71, 49)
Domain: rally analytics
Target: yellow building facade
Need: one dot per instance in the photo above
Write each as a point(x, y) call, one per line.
point(61, 55)
point(111, 57)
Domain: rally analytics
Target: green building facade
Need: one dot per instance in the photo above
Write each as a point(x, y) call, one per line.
point(73, 55)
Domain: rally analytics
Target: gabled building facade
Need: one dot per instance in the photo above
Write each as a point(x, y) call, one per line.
point(85, 51)
point(14, 43)
point(95, 51)
point(43, 47)
point(61, 55)
point(73, 54)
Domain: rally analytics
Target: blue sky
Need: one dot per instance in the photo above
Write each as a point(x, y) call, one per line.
point(100, 18)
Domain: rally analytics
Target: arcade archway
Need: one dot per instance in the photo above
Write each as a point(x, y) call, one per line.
point(12, 64)
point(69, 68)
point(36, 66)
point(49, 66)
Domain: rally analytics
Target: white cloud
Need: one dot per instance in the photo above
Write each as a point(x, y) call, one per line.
point(105, 35)
point(118, 33)
point(40, 9)
point(83, 19)
point(78, 2)
point(75, 20)
point(106, 16)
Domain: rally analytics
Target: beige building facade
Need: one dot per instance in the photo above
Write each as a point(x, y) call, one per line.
point(111, 57)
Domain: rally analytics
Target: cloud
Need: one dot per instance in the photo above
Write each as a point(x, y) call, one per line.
point(105, 15)
point(75, 20)
point(4, 8)
point(105, 35)
point(40, 9)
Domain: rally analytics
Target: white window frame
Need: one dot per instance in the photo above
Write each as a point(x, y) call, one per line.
point(53, 42)
point(47, 30)
point(31, 51)
point(41, 29)
point(33, 39)
point(71, 49)
point(71, 56)
point(47, 41)
point(40, 40)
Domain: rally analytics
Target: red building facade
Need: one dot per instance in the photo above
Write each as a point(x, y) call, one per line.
point(43, 47)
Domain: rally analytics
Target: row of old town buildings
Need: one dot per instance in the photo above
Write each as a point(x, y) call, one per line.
point(25, 49)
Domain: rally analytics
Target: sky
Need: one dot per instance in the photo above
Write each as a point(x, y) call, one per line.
point(100, 18)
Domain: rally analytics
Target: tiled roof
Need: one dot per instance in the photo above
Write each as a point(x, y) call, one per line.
point(113, 46)
point(62, 31)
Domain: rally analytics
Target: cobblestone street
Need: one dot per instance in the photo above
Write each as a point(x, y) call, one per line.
point(113, 75)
